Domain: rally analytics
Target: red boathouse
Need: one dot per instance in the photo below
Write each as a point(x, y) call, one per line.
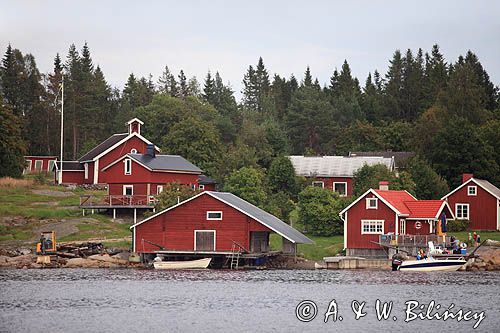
point(478, 201)
point(35, 164)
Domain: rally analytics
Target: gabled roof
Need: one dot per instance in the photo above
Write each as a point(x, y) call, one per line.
point(427, 209)
point(135, 120)
point(484, 184)
point(165, 163)
point(204, 180)
point(261, 216)
point(397, 199)
point(335, 166)
point(103, 146)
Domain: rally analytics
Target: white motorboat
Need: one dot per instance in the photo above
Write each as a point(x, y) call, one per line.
point(188, 264)
point(430, 264)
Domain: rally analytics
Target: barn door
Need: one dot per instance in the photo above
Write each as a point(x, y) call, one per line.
point(204, 240)
point(259, 241)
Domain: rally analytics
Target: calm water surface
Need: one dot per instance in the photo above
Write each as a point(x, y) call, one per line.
point(124, 300)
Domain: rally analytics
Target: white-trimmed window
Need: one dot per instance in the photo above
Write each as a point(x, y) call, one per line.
point(86, 169)
point(372, 227)
point(472, 190)
point(159, 189)
point(462, 211)
point(193, 186)
point(133, 151)
point(28, 165)
point(38, 165)
point(318, 183)
point(51, 165)
point(201, 187)
point(371, 203)
point(128, 189)
point(214, 215)
point(340, 188)
point(128, 166)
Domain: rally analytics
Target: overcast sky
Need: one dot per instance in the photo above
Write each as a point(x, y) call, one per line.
point(227, 36)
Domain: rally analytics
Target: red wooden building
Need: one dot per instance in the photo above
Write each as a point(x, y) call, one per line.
point(39, 164)
point(87, 170)
point(335, 172)
point(478, 201)
point(382, 212)
point(211, 223)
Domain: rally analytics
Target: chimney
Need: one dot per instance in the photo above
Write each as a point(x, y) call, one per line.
point(466, 177)
point(383, 185)
point(150, 150)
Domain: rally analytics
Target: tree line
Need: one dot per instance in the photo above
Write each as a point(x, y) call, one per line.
point(447, 112)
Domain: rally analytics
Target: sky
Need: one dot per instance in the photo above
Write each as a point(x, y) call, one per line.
point(228, 36)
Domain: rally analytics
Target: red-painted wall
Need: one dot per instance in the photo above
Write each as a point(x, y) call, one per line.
point(174, 229)
point(483, 208)
point(45, 163)
point(209, 187)
point(358, 212)
point(72, 177)
point(141, 176)
point(328, 182)
point(123, 149)
point(412, 230)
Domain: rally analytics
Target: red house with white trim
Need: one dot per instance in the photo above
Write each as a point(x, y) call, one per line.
point(36, 164)
point(388, 212)
point(335, 172)
point(211, 223)
point(87, 170)
point(478, 201)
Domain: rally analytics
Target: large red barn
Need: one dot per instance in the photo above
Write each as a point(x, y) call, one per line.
point(211, 223)
point(478, 201)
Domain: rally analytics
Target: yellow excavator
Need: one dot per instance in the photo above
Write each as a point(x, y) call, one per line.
point(46, 247)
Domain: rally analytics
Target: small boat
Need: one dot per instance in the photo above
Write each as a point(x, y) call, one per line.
point(430, 264)
point(189, 264)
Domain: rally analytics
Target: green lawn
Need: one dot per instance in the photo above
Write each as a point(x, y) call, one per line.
point(464, 235)
point(322, 247)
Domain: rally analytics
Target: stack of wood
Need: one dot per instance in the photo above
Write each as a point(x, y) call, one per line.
point(79, 249)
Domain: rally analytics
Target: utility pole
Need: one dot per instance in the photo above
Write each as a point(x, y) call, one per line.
point(62, 130)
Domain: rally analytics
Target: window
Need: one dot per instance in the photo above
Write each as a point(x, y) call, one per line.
point(462, 211)
point(340, 188)
point(402, 227)
point(128, 189)
point(201, 187)
point(371, 203)
point(133, 151)
point(159, 189)
point(51, 165)
point(128, 166)
point(211, 215)
point(319, 184)
point(28, 166)
point(38, 165)
point(193, 186)
point(86, 168)
point(471, 190)
point(373, 227)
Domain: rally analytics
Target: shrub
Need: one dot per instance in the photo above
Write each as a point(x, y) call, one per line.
point(457, 225)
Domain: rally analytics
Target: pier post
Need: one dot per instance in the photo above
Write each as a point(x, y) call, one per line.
point(135, 215)
point(114, 213)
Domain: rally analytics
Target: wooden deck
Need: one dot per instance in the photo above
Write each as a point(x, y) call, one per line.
point(412, 240)
point(117, 201)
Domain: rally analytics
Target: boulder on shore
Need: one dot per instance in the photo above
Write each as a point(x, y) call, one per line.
point(88, 263)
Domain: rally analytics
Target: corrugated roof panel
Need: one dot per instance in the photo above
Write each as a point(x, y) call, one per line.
point(335, 166)
point(166, 162)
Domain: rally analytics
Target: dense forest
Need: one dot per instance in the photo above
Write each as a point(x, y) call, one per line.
point(446, 111)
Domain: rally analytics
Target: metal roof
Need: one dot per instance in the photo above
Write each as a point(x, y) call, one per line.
point(103, 146)
point(205, 180)
point(335, 166)
point(488, 187)
point(269, 220)
point(70, 166)
point(165, 162)
point(400, 157)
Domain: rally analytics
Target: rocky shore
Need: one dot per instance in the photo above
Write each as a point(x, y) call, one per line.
point(488, 258)
point(94, 261)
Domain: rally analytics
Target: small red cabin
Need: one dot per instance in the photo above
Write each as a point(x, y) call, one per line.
point(39, 164)
point(211, 223)
point(383, 212)
point(478, 201)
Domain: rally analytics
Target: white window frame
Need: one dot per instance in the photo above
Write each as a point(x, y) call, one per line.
point(368, 203)
point(193, 186)
point(345, 184)
point(461, 216)
point(86, 170)
point(128, 162)
point(318, 182)
point(472, 187)
point(201, 187)
point(375, 224)
point(30, 164)
point(133, 151)
point(125, 187)
point(215, 238)
point(214, 218)
point(402, 227)
point(51, 165)
point(159, 189)
point(41, 165)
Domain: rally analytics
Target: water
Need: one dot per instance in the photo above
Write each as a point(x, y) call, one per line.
point(125, 300)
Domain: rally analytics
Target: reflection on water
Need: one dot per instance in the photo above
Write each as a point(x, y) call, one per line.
point(83, 300)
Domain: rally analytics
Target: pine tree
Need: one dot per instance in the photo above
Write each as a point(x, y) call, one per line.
point(308, 81)
point(12, 145)
point(183, 86)
point(436, 76)
point(250, 98)
point(209, 89)
point(394, 87)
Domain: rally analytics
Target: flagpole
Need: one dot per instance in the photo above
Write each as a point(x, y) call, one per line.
point(62, 129)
